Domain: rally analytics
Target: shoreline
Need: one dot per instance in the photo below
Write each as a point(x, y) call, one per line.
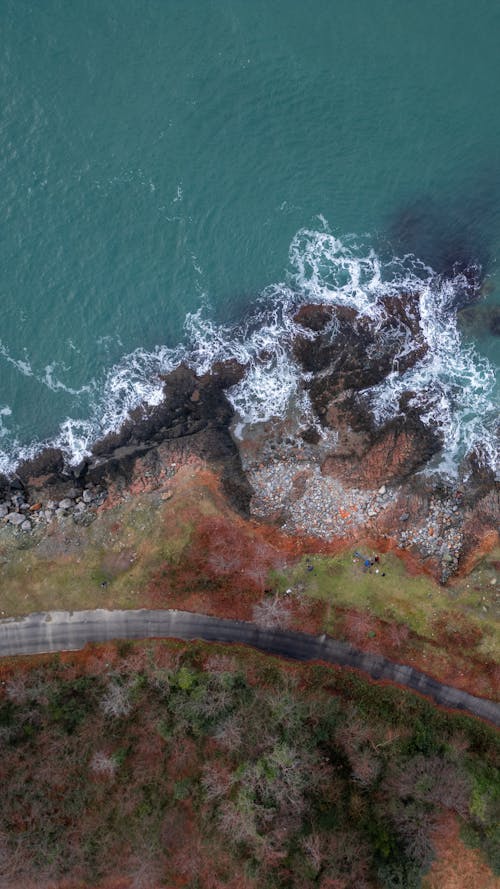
point(342, 474)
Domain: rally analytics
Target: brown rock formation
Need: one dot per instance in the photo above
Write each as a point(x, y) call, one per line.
point(42, 469)
point(352, 351)
point(195, 414)
point(400, 448)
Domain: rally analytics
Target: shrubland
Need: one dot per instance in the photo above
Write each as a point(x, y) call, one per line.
point(167, 764)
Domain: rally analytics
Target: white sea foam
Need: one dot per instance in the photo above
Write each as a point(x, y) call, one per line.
point(453, 384)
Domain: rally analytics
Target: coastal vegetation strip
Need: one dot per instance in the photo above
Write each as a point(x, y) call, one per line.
point(197, 765)
point(169, 539)
point(63, 631)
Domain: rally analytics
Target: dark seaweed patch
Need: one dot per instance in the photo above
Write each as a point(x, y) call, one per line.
point(449, 239)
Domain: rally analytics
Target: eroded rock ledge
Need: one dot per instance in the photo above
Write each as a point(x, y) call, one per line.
point(343, 474)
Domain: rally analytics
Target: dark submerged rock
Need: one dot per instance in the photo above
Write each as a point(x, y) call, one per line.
point(447, 237)
point(494, 322)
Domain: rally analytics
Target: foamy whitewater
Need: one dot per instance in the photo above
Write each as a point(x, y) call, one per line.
point(455, 382)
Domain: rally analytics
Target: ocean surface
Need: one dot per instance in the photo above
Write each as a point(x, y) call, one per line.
point(176, 177)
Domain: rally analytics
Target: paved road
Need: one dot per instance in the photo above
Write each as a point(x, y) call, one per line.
point(71, 630)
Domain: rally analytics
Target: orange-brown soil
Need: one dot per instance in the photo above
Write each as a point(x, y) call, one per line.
point(224, 571)
point(457, 866)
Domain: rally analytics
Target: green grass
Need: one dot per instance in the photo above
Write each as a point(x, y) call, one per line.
point(342, 581)
point(106, 565)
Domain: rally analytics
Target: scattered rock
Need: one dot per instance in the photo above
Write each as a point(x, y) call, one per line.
point(66, 503)
point(84, 518)
point(16, 518)
point(26, 526)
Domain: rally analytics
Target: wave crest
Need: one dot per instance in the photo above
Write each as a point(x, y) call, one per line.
point(456, 384)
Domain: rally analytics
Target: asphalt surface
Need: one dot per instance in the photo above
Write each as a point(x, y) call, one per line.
point(72, 630)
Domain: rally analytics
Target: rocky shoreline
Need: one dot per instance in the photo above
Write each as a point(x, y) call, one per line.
point(339, 476)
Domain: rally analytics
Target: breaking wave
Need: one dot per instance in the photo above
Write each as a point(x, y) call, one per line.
point(454, 382)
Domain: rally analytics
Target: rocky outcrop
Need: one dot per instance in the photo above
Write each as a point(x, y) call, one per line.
point(368, 455)
point(367, 469)
point(195, 415)
point(43, 469)
point(344, 354)
point(353, 352)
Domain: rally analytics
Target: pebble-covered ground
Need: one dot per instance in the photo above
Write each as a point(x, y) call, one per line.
point(290, 489)
point(310, 502)
point(303, 500)
point(18, 513)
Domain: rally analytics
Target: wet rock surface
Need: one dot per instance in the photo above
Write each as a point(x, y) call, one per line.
point(345, 473)
point(353, 351)
point(194, 417)
point(342, 473)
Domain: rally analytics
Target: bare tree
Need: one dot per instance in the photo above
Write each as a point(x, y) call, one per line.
point(117, 700)
point(431, 779)
point(17, 688)
point(216, 781)
point(237, 821)
point(414, 825)
point(229, 733)
point(398, 634)
point(216, 700)
point(365, 766)
point(312, 846)
point(272, 614)
point(145, 867)
point(221, 663)
point(103, 764)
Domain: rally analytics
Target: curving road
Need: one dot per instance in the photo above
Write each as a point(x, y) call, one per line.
point(71, 630)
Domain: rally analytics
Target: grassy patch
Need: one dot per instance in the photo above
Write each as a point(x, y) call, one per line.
point(106, 565)
point(392, 594)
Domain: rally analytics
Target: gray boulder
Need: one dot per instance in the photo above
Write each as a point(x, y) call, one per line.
point(16, 518)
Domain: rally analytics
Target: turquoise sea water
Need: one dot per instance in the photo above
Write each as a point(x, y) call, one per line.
point(158, 157)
